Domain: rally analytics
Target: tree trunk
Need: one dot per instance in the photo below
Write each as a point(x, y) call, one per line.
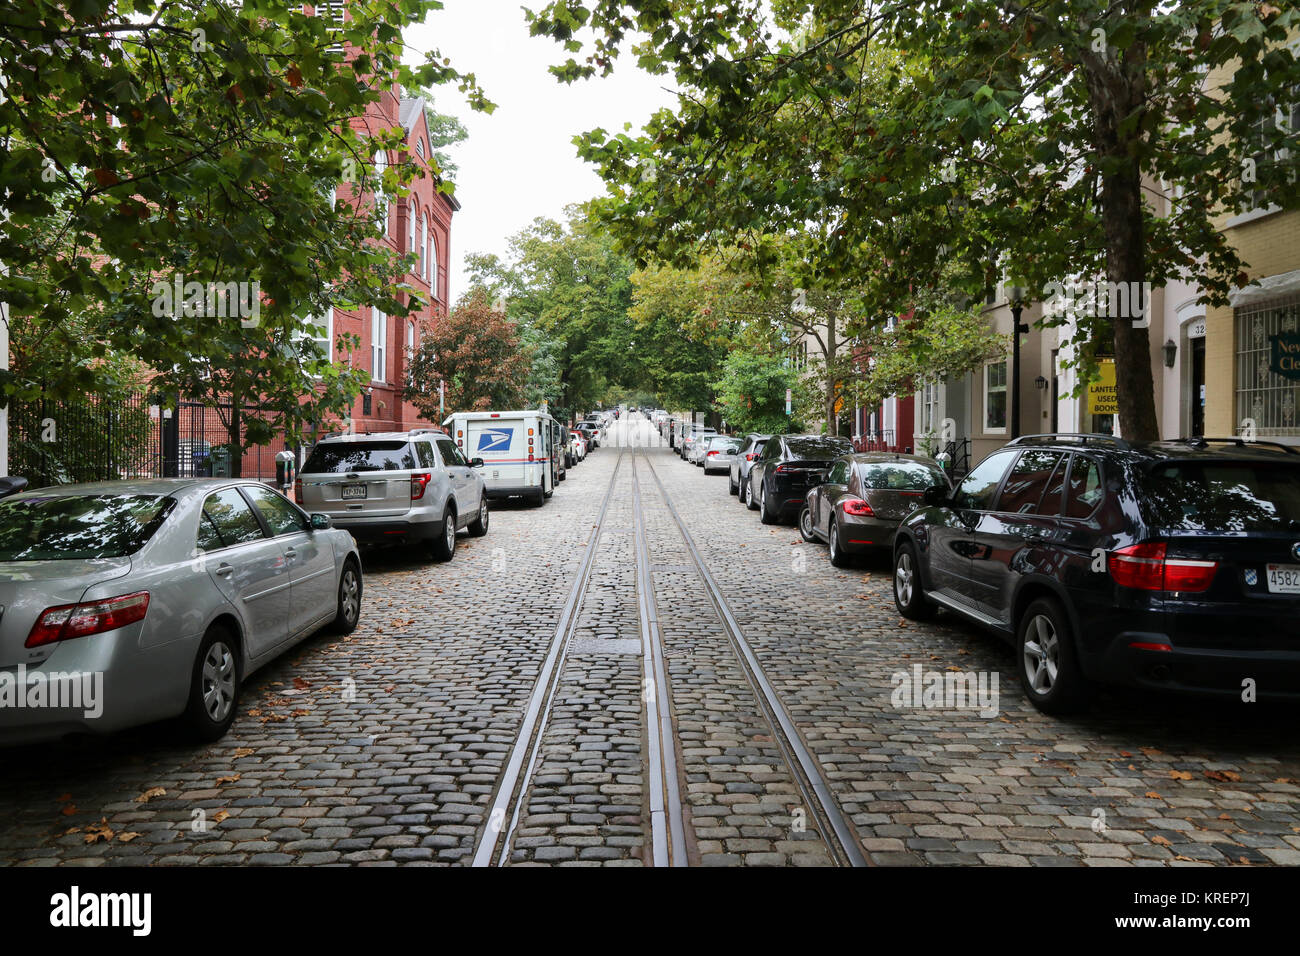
point(832, 420)
point(1116, 88)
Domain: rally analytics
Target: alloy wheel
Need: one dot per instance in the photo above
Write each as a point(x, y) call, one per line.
point(218, 682)
point(903, 575)
point(1041, 655)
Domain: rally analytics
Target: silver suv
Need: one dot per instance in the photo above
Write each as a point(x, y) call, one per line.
point(398, 487)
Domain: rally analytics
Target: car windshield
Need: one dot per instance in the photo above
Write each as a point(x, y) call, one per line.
point(331, 458)
point(900, 476)
point(78, 527)
point(818, 448)
point(1233, 496)
point(724, 444)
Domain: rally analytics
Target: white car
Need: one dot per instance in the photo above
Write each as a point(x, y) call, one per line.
point(578, 444)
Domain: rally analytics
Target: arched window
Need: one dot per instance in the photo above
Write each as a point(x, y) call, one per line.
point(410, 338)
point(424, 245)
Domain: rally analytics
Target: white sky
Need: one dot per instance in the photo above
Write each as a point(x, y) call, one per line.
point(520, 162)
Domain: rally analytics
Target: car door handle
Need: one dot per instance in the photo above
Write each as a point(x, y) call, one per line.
point(291, 553)
point(225, 571)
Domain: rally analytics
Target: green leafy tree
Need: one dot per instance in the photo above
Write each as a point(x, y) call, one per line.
point(568, 282)
point(476, 352)
point(142, 141)
point(751, 391)
point(1012, 139)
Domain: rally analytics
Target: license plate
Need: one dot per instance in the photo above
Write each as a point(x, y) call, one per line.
point(353, 491)
point(1284, 578)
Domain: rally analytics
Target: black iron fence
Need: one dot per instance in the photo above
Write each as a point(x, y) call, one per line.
point(101, 439)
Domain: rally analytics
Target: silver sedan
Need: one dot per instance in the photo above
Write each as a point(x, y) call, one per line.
point(127, 602)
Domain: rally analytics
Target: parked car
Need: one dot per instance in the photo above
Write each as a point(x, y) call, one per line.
point(784, 471)
point(577, 445)
point(719, 452)
point(590, 432)
point(11, 485)
point(743, 461)
point(165, 593)
point(691, 436)
point(1170, 565)
point(695, 455)
point(396, 487)
point(858, 504)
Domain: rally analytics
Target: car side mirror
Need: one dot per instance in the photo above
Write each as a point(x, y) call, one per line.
point(320, 522)
point(476, 462)
point(936, 496)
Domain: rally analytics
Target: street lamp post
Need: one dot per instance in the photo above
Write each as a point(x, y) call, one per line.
point(1018, 328)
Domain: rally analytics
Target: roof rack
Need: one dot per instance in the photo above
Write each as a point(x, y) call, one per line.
point(1197, 441)
point(1066, 438)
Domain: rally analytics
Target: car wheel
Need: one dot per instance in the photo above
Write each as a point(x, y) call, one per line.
point(732, 486)
point(765, 516)
point(1049, 670)
point(806, 526)
point(349, 604)
point(479, 526)
point(214, 686)
point(749, 495)
point(444, 546)
point(839, 557)
point(909, 596)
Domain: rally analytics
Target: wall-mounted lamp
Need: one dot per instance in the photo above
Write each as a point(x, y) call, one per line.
point(1171, 352)
point(1040, 382)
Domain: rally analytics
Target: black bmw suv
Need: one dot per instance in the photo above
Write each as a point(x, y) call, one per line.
point(1165, 565)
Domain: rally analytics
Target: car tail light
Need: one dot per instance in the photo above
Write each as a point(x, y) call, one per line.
point(1145, 567)
point(67, 621)
point(419, 481)
point(856, 507)
point(711, 454)
point(297, 491)
point(750, 456)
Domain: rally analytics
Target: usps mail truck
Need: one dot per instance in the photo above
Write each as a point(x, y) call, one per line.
point(518, 451)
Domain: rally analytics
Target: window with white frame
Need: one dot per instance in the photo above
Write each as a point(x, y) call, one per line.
point(381, 200)
point(1284, 115)
point(424, 245)
point(332, 11)
point(931, 410)
point(322, 332)
point(995, 397)
point(433, 267)
point(410, 237)
point(410, 338)
point(378, 345)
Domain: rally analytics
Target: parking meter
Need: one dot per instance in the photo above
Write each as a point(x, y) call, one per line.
point(285, 469)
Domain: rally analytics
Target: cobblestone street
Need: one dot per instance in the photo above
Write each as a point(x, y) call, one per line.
point(401, 743)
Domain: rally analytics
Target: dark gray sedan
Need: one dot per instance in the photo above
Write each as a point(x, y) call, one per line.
point(863, 498)
point(127, 602)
